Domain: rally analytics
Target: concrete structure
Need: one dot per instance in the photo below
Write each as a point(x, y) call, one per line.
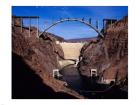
point(71, 53)
point(57, 42)
point(71, 50)
point(77, 61)
point(78, 20)
point(29, 18)
point(107, 81)
point(64, 63)
point(107, 22)
point(93, 72)
point(56, 73)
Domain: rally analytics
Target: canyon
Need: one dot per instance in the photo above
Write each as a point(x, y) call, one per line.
point(35, 58)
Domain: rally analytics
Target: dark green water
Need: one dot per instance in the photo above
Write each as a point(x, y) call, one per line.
point(88, 86)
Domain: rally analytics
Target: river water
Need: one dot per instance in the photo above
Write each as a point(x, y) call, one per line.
point(88, 87)
point(76, 82)
point(72, 77)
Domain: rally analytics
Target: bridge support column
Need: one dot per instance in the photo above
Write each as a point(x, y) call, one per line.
point(111, 24)
point(21, 24)
point(103, 26)
point(37, 33)
point(97, 24)
point(13, 21)
point(90, 20)
point(29, 27)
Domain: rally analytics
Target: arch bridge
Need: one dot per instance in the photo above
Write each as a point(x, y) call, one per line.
point(74, 19)
point(68, 61)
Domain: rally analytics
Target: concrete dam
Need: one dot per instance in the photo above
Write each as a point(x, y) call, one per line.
point(71, 51)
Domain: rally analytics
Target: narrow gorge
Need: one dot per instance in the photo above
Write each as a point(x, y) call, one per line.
point(90, 69)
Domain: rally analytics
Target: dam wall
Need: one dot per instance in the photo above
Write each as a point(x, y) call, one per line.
point(71, 50)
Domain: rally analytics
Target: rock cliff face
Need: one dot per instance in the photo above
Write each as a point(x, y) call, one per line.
point(34, 50)
point(40, 55)
point(33, 59)
point(109, 55)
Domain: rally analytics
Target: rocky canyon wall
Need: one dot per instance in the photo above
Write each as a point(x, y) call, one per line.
point(108, 55)
point(40, 55)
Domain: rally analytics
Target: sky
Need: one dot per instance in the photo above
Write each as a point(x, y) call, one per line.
point(70, 30)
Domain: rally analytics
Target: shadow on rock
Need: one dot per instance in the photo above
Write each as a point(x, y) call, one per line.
point(28, 85)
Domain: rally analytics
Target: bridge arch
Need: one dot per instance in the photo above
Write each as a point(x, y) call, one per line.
point(78, 20)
